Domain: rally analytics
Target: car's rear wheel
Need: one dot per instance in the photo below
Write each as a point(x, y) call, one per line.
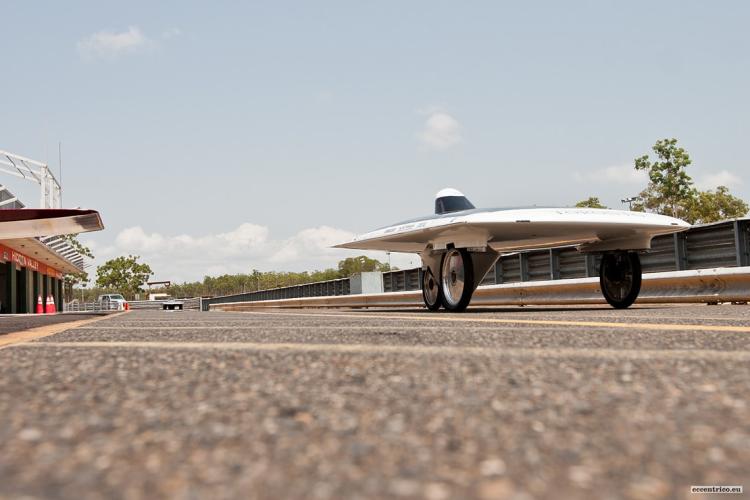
point(620, 278)
point(431, 293)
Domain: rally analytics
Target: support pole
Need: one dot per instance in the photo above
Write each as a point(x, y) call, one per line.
point(11, 287)
point(29, 296)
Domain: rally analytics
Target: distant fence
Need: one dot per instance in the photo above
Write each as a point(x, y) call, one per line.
point(718, 245)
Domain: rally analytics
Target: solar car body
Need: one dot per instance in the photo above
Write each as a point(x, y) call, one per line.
point(459, 243)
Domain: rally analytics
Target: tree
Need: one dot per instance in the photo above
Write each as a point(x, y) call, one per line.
point(592, 202)
point(74, 279)
point(123, 274)
point(228, 284)
point(670, 188)
point(70, 281)
point(360, 264)
point(79, 247)
point(713, 206)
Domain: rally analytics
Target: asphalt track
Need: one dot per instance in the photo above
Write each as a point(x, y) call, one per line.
point(517, 403)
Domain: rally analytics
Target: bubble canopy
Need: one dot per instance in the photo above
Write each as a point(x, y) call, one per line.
point(451, 200)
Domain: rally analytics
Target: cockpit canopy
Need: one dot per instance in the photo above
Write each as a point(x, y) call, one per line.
point(451, 200)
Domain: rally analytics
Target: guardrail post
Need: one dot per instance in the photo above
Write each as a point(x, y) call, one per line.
point(590, 260)
point(554, 264)
point(680, 251)
point(742, 242)
point(523, 261)
point(498, 272)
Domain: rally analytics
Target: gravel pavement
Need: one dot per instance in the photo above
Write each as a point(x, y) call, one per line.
point(516, 403)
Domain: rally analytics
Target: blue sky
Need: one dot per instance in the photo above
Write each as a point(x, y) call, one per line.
point(217, 137)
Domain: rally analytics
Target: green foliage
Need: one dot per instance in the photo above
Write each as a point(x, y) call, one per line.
point(361, 264)
point(70, 281)
point(670, 190)
point(124, 275)
point(713, 206)
point(79, 247)
point(592, 202)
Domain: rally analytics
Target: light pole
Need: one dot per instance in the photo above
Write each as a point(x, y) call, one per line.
point(630, 201)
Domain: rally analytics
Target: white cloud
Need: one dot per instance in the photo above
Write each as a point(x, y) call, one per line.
point(171, 33)
point(614, 174)
point(249, 246)
point(716, 179)
point(441, 131)
point(320, 239)
point(109, 45)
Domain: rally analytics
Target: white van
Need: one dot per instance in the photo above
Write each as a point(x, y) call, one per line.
point(113, 301)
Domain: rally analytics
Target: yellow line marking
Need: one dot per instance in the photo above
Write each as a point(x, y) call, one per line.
point(47, 330)
point(463, 319)
point(706, 354)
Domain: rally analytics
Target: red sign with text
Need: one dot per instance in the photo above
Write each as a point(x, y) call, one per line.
point(8, 254)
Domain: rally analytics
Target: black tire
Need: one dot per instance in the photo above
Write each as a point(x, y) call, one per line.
point(456, 279)
point(620, 278)
point(432, 294)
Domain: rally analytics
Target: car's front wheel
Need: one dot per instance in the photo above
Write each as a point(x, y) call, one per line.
point(457, 279)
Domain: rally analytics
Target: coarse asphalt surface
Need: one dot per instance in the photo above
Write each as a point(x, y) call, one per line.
point(17, 322)
point(521, 403)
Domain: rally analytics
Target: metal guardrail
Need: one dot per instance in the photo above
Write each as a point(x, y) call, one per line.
point(318, 289)
point(76, 306)
point(191, 303)
point(705, 285)
point(721, 244)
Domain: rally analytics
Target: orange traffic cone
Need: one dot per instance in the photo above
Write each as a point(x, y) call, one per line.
point(52, 305)
point(39, 306)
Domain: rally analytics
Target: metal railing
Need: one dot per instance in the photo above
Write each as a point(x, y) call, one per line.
point(718, 245)
point(76, 306)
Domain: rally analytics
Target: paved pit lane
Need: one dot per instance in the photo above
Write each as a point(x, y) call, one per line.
point(10, 323)
point(523, 403)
